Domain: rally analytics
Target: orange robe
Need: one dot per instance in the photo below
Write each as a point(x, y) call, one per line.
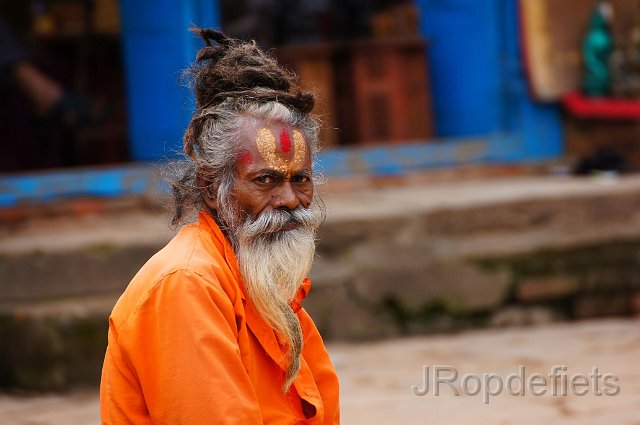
point(187, 346)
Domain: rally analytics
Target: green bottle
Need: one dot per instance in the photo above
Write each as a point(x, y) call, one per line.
point(597, 47)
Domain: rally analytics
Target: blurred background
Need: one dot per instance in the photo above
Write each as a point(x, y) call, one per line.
point(481, 160)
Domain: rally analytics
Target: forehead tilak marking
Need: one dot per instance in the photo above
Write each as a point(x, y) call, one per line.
point(266, 143)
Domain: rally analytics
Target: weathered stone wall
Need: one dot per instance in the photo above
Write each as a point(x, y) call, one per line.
point(497, 264)
point(389, 263)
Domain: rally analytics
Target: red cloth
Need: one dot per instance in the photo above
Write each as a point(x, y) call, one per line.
point(601, 107)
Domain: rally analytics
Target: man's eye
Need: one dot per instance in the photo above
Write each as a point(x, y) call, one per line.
point(301, 178)
point(265, 179)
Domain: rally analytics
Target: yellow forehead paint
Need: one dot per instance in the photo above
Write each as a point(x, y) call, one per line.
point(266, 143)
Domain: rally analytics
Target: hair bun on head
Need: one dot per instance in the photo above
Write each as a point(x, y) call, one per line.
point(233, 68)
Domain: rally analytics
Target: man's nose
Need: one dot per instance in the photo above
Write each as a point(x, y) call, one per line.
point(286, 197)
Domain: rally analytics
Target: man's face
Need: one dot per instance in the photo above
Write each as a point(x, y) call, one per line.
point(271, 217)
point(273, 171)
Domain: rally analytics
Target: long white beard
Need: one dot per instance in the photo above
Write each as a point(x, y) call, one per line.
point(273, 264)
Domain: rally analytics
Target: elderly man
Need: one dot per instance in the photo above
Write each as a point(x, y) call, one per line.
point(210, 330)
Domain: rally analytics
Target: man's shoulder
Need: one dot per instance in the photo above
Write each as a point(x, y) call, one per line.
point(190, 258)
point(188, 250)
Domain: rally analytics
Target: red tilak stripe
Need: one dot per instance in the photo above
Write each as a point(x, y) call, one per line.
point(246, 158)
point(285, 141)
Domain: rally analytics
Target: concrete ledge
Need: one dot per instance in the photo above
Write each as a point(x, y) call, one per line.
point(141, 179)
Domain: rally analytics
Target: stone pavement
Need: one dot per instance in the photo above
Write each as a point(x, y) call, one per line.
point(377, 379)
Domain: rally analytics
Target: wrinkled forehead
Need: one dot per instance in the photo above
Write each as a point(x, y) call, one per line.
point(279, 146)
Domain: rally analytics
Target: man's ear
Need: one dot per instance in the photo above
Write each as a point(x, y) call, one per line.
point(207, 191)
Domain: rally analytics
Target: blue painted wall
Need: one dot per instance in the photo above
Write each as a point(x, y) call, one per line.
point(477, 79)
point(464, 59)
point(157, 46)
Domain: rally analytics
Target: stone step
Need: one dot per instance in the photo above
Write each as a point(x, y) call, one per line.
point(54, 344)
point(391, 261)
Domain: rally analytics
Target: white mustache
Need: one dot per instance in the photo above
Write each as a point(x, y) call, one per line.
point(274, 220)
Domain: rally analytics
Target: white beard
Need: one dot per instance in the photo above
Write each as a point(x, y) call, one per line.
point(273, 264)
